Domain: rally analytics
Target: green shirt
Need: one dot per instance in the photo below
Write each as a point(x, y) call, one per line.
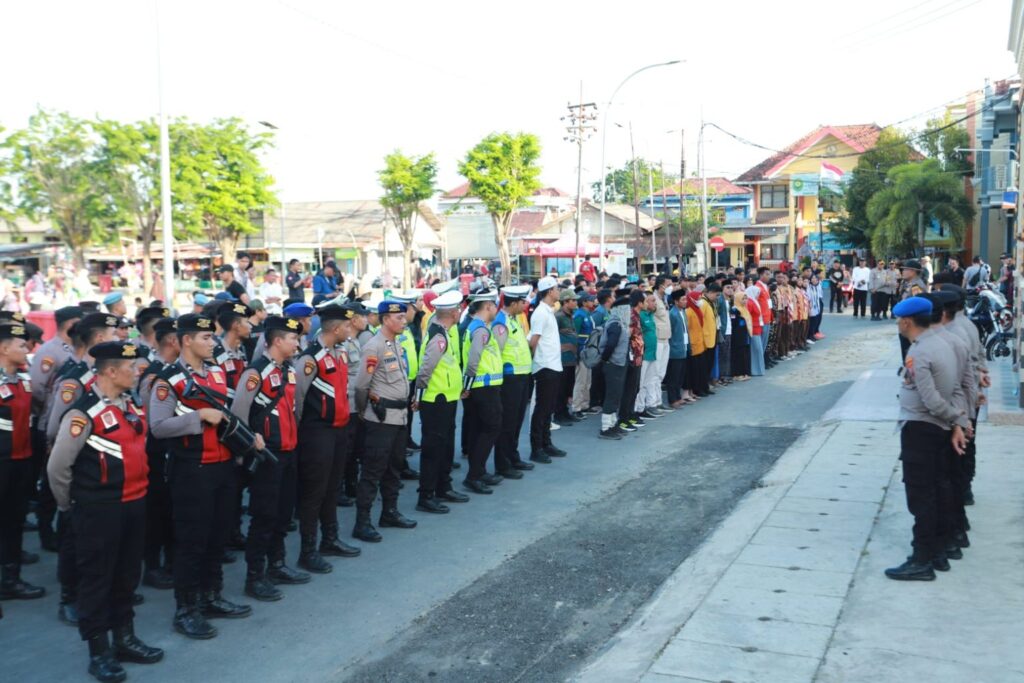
point(650, 332)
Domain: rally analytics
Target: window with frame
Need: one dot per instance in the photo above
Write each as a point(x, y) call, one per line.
point(774, 196)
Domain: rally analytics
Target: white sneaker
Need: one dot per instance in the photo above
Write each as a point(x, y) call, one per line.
point(555, 426)
point(811, 342)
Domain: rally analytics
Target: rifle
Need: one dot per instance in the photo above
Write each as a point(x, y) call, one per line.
point(233, 432)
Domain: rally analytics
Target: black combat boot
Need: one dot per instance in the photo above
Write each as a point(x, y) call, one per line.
point(310, 559)
point(13, 588)
point(390, 516)
point(67, 611)
point(913, 569)
point(189, 620)
point(331, 546)
point(214, 606)
point(280, 573)
point(432, 505)
point(363, 530)
point(258, 586)
point(128, 648)
point(102, 664)
point(236, 540)
point(158, 578)
point(47, 536)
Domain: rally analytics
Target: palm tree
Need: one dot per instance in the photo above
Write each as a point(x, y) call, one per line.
point(913, 196)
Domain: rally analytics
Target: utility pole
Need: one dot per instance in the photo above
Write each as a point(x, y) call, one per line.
point(636, 190)
point(654, 237)
point(702, 166)
point(682, 199)
point(664, 217)
point(581, 127)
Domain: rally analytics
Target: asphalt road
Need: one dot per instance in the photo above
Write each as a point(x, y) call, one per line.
point(521, 585)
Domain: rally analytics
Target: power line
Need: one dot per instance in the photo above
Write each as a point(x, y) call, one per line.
point(885, 19)
point(913, 25)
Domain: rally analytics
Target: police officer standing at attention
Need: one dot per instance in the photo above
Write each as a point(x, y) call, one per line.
point(201, 476)
point(98, 471)
point(382, 390)
point(481, 389)
point(322, 408)
point(265, 400)
point(515, 386)
point(409, 340)
point(354, 349)
point(438, 388)
point(932, 421)
point(911, 284)
point(15, 460)
point(47, 363)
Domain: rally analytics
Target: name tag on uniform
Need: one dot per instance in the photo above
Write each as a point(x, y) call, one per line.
point(329, 362)
point(5, 391)
point(275, 380)
point(215, 375)
point(108, 420)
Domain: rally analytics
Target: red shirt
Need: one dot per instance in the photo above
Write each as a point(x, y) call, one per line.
point(765, 302)
point(588, 271)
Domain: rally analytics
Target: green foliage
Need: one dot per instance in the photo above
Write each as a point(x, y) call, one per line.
point(915, 193)
point(503, 173)
point(619, 182)
point(943, 144)
point(855, 227)
point(407, 181)
point(51, 170)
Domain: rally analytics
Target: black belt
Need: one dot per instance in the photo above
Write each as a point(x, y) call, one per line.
point(392, 403)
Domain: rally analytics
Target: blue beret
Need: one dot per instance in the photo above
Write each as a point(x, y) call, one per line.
point(299, 310)
point(915, 305)
point(200, 299)
point(390, 306)
point(112, 298)
point(224, 296)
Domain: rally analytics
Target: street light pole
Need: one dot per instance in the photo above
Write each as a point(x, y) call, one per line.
point(821, 233)
point(165, 174)
point(604, 139)
point(284, 264)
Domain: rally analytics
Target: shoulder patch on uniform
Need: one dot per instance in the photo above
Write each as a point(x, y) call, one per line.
point(915, 289)
point(47, 364)
point(252, 382)
point(309, 368)
point(67, 391)
point(442, 343)
point(371, 364)
point(78, 424)
point(162, 392)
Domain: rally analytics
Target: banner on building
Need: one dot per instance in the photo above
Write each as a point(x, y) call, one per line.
point(804, 185)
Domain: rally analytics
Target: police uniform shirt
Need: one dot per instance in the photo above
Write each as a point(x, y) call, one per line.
point(354, 352)
point(251, 383)
point(364, 337)
point(477, 343)
point(66, 448)
point(382, 372)
point(66, 391)
point(912, 287)
point(163, 423)
point(48, 360)
point(965, 370)
point(931, 390)
point(969, 332)
point(307, 364)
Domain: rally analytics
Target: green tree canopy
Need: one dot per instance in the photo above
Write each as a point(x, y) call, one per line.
point(407, 181)
point(619, 182)
point(914, 194)
point(503, 173)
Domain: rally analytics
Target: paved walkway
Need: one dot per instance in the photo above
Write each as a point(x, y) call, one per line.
point(790, 588)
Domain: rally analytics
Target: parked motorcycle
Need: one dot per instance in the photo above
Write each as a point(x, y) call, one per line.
point(994, 321)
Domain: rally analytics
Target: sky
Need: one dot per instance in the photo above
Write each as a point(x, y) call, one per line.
point(347, 83)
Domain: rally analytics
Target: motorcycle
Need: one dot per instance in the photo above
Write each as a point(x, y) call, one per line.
point(994, 321)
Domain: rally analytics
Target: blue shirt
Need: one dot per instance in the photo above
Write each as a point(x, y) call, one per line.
point(323, 284)
point(584, 324)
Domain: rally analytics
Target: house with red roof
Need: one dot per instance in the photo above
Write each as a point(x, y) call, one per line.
point(785, 193)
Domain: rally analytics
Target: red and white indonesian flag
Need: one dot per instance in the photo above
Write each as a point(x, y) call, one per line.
point(831, 172)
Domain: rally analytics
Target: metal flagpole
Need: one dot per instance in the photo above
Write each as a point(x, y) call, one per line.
point(165, 173)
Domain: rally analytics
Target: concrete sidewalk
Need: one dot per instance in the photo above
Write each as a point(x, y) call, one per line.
point(790, 587)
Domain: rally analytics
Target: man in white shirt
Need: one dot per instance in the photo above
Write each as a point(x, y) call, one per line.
point(861, 281)
point(271, 293)
point(547, 371)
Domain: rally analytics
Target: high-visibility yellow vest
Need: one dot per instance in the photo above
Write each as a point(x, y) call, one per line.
point(515, 357)
point(489, 370)
point(412, 358)
point(446, 380)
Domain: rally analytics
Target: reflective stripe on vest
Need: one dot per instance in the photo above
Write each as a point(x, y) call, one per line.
point(489, 369)
point(516, 358)
point(446, 380)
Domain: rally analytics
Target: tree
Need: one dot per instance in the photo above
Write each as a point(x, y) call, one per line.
point(221, 182)
point(855, 227)
point(943, 143)
point(50, 170)
point(407, 181)
point(502, 171)
point(914, 195)
point(619, 182)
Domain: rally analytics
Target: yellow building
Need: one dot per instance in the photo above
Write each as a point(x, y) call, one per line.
point(786, 216)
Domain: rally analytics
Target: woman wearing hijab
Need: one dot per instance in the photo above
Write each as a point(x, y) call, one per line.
point(696, 373)
point(739, 316)
point(756, 327)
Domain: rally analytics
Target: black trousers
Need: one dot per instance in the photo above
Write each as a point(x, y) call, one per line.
point(597, 385)
point(322, 456)
point(860, 301)
point(357, 444)
point(46, 509)
point(483, 409)
point(836, 297)
point(547, 383)
point(675, 375)
point(904, 346)
point(271, 502)
point(202, 504)
point(924, 450)
point(438, 428)
point(382, 463)
point(630, 388)
point(15, 482)
point(614, 383)
point(67, 567)
point(815, 326)
point(159, 523)
point(567, 383)
point(109, 539)
point(515, 397)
